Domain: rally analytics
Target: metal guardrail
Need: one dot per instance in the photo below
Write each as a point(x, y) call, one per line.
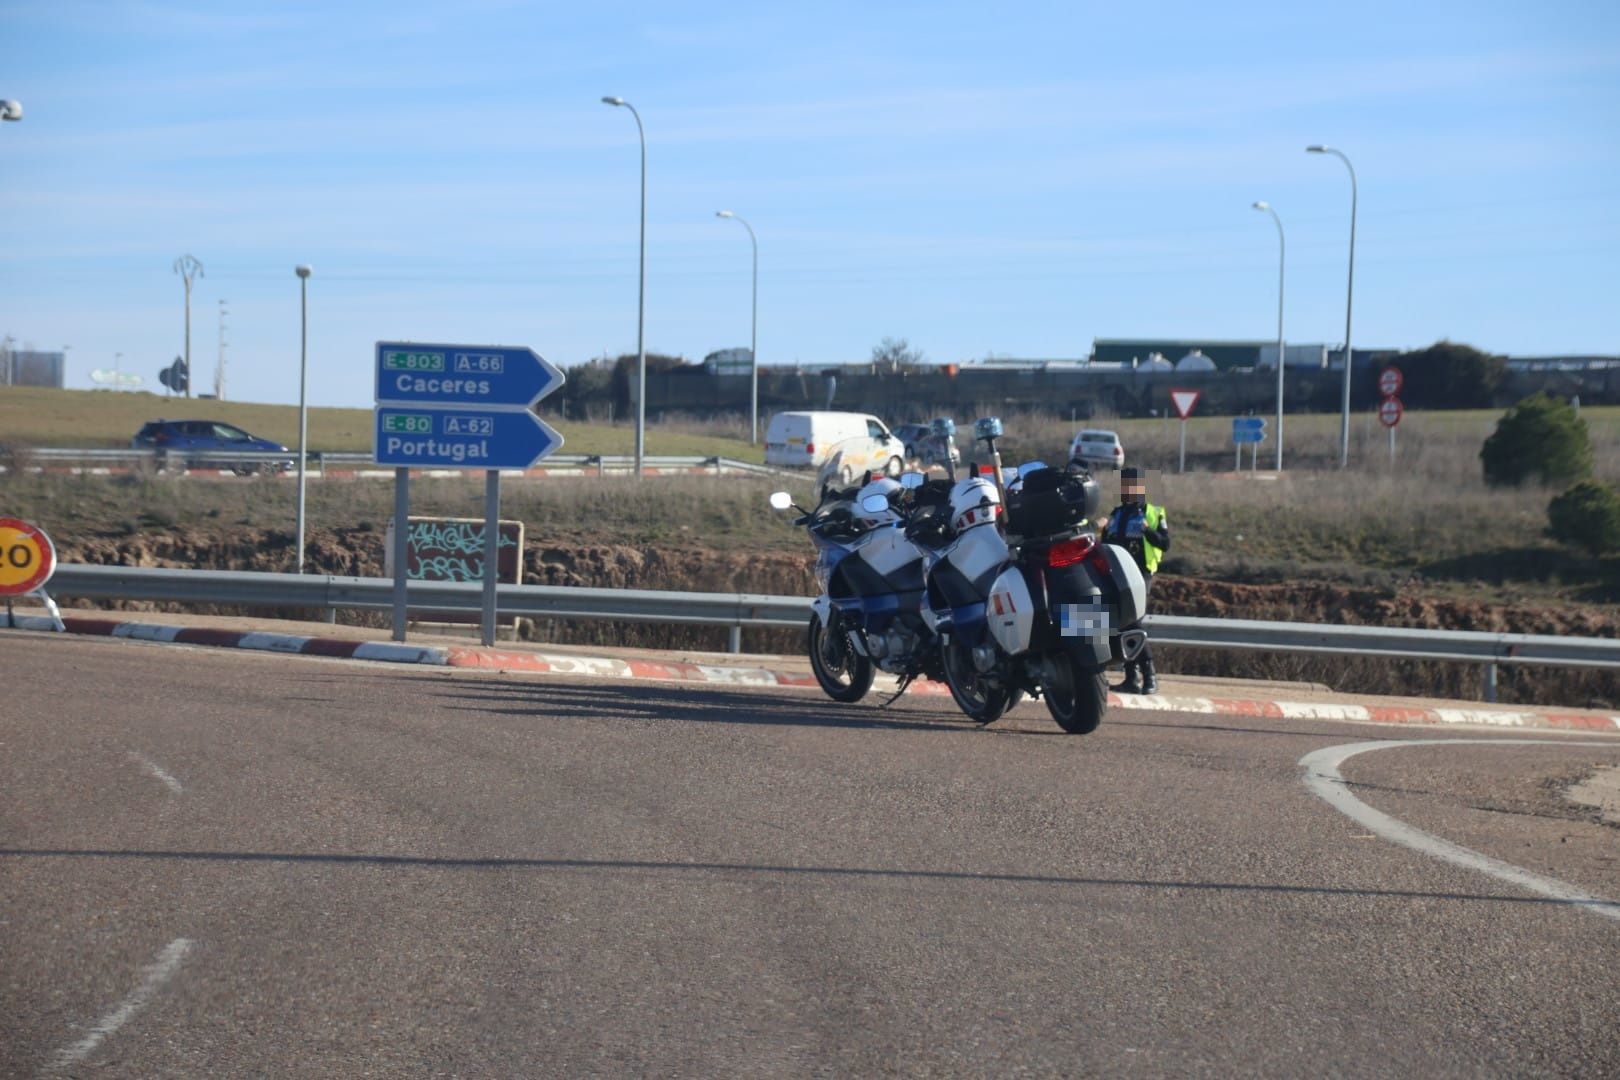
point(744, 610)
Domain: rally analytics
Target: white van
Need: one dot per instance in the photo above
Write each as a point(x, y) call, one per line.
point(806, 440)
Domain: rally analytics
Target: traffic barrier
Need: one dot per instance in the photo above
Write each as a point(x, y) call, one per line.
point(740, 611)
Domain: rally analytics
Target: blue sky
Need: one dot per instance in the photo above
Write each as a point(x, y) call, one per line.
point(976, 178)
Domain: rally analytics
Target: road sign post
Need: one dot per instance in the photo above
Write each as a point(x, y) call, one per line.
point(1389, 414)
point(459, 407)
point(1184, 401)
point(27, 561)
point(1248, 430)
point(1390, 381)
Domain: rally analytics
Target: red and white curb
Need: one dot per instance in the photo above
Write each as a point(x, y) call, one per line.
point(605, 667)
point(1373, 714)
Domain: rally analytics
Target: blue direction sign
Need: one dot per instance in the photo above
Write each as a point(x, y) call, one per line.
point(1248, 429)
point(464, 375)
point(462, 438)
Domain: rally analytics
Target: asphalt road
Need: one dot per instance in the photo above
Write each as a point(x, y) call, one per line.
point(217, 863)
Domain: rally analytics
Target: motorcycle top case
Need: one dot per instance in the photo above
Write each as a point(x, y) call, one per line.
point(1050, 501)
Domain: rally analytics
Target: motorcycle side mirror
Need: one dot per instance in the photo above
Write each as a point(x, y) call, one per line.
point(781, 500)
point(875, 504)
point(912, 480)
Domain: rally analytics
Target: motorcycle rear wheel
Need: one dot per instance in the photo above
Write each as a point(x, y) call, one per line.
point(843, 673)
point(982, 702)
point(1078, 698)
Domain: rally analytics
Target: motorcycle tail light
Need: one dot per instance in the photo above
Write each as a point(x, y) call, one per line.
point(1099, 560)
point(1069, 552)
point(809, 447)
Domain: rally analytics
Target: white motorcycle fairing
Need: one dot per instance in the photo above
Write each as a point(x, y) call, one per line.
point(1010, 612)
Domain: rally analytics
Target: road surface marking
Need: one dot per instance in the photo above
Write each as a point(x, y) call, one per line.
point(152, 767)
point(152, 979)
point(1322, 776)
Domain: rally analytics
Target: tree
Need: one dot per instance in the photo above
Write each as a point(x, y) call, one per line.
point(1541, 437)
point(624, 372)
point(892, 354)
point(1587, 516)
point(1449, 375)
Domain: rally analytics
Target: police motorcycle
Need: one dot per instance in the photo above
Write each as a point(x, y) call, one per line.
point(869, 613)
point(1022, 597)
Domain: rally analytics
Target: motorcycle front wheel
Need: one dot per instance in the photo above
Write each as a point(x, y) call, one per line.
point(982, 702)
point(843, 673)
point(1077, 697)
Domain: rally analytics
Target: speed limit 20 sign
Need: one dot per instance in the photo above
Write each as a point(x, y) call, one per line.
point(27, 557)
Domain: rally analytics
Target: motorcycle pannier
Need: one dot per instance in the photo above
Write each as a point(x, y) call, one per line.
point(1050, 501)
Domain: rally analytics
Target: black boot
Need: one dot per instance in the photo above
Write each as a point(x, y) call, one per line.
point(1150, 678)
point(1132, 683)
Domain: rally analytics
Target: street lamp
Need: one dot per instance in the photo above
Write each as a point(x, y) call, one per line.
point(303, 273)
point(10, 110)
point(188, 268)
point(1282, 262)
point(1349, 297)
point(641, 299)
point(753, 338)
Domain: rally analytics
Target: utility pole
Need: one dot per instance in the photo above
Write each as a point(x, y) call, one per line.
point(188, 267)
point(219, 369)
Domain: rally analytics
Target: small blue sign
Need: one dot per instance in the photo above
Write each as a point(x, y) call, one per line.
point(1248, 429)
point(472, 375)
point(462, 438)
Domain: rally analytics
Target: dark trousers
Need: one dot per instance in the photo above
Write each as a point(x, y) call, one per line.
point(1144, 659)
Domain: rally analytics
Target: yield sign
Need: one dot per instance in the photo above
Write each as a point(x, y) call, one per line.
point(1184, 400)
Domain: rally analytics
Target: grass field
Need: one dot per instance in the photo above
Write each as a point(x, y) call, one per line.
point(32, 416)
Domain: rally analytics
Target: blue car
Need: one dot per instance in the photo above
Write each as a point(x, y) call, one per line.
point(189, 444)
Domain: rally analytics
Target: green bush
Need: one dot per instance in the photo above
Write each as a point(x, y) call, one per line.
point(1540, 437)
point(1587, 516)
point(1448, 375)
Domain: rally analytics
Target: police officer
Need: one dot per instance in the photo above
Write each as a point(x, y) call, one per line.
point(1142, 529)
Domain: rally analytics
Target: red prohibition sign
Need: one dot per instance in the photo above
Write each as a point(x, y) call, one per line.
point(27, 557)
point(1390, 381)
point(1389, 412)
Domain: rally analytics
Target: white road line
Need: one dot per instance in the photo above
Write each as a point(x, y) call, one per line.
point(152, 979)
point(1322, 776)
point(153, 768)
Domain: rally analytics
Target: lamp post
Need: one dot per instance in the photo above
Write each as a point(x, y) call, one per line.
point(219, 368)
point(753, 334)
point(1282, 263)
point(1349, 298)
point(188, 268)
point(303, 273)
point(641, 298)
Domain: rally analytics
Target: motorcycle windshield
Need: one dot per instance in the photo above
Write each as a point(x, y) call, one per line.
point(846, 463)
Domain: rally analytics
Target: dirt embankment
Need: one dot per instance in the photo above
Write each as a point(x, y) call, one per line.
point(359, 552)
point(700, 569)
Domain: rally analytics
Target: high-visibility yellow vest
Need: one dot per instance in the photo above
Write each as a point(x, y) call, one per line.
point(1152, 518)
